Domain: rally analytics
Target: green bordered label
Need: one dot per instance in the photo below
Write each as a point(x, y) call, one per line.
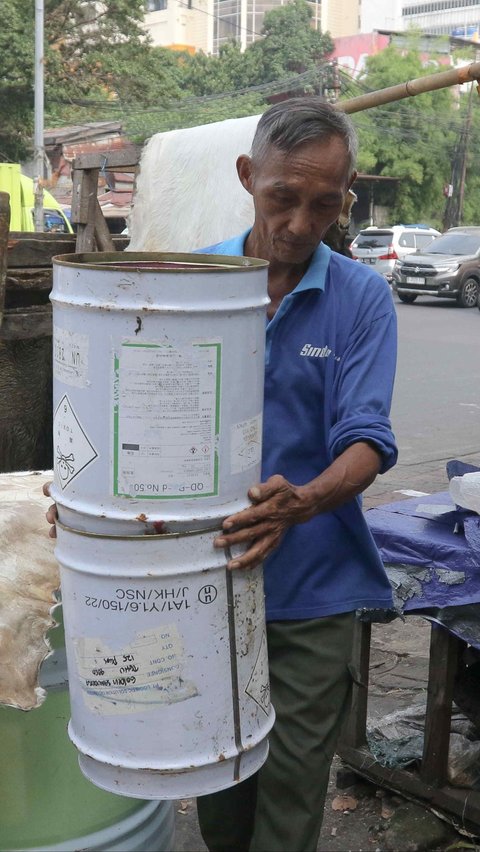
point(166, 420)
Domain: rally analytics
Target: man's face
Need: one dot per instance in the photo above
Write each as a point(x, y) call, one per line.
point(296, 196)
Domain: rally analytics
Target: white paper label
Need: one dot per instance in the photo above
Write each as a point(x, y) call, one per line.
point(246, 444)
point(166, 420)
point(70, 357)
point(147, 672)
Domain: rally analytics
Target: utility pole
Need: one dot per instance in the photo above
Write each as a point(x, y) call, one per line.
point(331, 87)
point(468, 127)
point(454, 205)
point(450, 216)
point(39, 153)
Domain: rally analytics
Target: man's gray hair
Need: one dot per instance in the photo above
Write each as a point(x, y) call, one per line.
point(291, 123)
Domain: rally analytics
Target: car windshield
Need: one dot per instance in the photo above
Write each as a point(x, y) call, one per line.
point(455, 244)
point(376, 240)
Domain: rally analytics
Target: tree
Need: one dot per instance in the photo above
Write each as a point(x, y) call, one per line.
point(230, 71)
point(408, 139)
point(290, 45)
point(98, 63)
point(471, 203)
point(16, 76)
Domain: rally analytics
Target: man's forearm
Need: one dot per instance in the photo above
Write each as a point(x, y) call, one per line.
point(349, 475)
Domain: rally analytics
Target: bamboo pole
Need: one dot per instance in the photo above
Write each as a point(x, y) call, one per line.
point(453, 77)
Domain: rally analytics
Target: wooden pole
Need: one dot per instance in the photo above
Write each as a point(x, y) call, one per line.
point(429, 83)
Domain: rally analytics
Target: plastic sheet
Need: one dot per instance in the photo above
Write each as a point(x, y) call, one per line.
point(461, 621)
point(431, 551)
point(396, 741)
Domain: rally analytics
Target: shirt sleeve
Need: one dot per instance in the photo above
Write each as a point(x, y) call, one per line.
point(364, 387)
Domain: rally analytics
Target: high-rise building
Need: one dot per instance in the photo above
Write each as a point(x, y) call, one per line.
point(243, 19)
point(338, 17)
point(443, 17)
point(180, 24)
point(380, 15)
point(207, 24)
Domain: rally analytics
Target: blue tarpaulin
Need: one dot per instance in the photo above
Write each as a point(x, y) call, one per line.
point(433, 547)
point(431, 551)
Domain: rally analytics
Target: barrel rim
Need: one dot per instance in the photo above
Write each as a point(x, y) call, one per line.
point(111, 260)
point(144, 537)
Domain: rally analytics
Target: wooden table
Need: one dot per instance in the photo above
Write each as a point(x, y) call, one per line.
point(427, 784)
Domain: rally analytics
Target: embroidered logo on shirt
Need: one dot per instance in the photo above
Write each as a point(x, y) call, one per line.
point(315, 351)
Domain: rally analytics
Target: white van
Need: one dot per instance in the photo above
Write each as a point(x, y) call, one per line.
point(381, 247)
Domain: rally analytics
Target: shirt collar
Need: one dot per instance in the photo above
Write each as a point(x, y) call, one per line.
point(314, 278)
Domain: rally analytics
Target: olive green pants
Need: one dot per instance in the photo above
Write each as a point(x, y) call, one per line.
point(280, 809)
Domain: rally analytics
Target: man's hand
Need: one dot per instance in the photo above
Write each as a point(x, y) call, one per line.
point(276, 506)
point(52, 514)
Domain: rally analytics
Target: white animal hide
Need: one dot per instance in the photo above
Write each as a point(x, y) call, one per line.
point(188, 194)
point(29, 578)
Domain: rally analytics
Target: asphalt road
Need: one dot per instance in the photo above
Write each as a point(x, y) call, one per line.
point(436, 403)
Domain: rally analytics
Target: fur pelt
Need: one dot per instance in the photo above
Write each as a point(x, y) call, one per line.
point(188, 194)
point(29, 580)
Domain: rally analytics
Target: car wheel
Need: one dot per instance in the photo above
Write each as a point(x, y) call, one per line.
point(468, 295)
point(406, 298)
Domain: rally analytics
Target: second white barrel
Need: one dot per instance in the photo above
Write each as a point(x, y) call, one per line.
point(167, 662)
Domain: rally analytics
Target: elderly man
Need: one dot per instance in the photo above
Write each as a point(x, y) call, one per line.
point(331, 352)
point(330, 363)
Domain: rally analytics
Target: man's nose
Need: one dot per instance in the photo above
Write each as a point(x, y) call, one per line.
point(301, 222)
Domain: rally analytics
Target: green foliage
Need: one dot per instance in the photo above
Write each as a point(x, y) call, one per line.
point(97, 61)
point(242, 82)
point(106, 58)
point(16, 76)
point(290, 44)
point(410, 139)
point(231, 71)
point(471, 204)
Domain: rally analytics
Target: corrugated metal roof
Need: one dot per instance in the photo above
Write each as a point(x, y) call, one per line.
point(80, 132)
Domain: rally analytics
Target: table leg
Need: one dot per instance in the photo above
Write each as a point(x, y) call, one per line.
point(444, 648)
point(355, 730)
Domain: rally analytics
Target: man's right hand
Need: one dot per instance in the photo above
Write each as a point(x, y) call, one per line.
point(52, 514)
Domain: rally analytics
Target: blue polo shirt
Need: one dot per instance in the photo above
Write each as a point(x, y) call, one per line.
point(330, 364)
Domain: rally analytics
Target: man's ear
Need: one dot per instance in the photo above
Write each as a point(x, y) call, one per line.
point(352, 179)
point(245, 172)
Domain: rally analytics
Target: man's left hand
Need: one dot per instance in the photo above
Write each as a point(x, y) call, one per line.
point(276, 505)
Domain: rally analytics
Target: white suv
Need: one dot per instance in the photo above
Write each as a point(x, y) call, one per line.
point(381, 247)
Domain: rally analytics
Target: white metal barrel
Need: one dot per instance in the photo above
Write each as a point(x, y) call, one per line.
point(167, 662)
point(158, 364)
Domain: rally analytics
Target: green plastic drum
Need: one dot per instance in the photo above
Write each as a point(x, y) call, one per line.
point(45, 801)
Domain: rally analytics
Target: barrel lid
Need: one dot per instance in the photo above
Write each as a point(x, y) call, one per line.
point(169, 262)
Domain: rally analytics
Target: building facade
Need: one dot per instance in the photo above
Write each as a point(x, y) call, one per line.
point(207, 24)
point(180, 24)
point(443, 17)
point(380, 15)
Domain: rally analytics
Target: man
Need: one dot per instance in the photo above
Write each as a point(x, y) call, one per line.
point(331, 351)
point(330, 362)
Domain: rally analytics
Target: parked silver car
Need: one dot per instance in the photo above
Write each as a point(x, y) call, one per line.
point(449, 268)
point(381, 247)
